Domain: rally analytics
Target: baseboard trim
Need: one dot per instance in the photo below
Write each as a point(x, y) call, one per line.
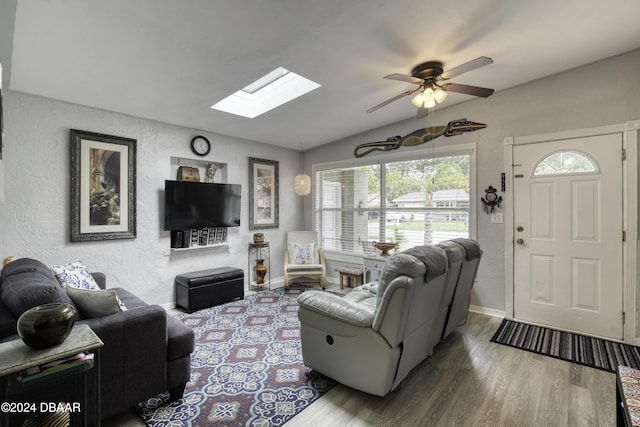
point(279, 283)
point(168, 305)
point(487, 311)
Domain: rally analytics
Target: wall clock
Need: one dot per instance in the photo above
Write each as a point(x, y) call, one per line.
point(200, 145)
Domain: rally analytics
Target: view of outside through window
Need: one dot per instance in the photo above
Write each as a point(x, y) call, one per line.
point(413, 203)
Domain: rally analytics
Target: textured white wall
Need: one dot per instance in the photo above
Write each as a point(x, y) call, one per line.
point(603, 93)
point(34, 217)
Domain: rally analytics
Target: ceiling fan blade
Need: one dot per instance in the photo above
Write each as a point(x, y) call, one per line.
point(467, 66)
point(482, 92)
point(403, 78)
point(395, 98)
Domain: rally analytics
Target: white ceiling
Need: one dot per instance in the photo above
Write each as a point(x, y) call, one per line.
point(171, 60)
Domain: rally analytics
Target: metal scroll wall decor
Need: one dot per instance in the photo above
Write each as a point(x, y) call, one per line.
point(420, 136)
point(491, 200)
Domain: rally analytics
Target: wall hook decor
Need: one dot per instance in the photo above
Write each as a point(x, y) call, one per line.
point(491, 200)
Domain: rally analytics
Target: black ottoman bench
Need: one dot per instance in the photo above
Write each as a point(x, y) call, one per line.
point(206, 288)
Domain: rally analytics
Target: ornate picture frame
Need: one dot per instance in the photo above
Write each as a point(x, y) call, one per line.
point(263, 194)
point(103, 187)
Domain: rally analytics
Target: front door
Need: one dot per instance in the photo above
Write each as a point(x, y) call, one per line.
point(568, 265)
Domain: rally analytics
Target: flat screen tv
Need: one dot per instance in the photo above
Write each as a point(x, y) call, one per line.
point(189, 204)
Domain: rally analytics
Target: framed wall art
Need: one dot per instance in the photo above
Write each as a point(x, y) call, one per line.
point(263, 193)
point(103, 187)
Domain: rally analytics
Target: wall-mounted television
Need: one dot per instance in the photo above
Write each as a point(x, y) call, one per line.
point(189, 205)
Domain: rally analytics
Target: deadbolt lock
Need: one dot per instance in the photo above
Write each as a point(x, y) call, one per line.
point(520, 228)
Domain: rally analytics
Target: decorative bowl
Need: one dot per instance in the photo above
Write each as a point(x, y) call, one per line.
point(46, 325)
point(384, 247)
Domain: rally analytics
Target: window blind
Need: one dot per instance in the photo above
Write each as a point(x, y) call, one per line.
point(410, 201)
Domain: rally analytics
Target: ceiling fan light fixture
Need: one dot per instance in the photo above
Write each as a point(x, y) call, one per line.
point(440, 95)
point(418, 100)
point(425, 98)
point(428, 94)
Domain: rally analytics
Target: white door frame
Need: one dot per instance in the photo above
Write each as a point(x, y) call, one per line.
point(630, 138)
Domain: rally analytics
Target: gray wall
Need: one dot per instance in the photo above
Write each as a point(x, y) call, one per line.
point(603, 93)
point(34, 217)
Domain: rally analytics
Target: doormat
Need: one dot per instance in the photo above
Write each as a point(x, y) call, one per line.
point(588, 351)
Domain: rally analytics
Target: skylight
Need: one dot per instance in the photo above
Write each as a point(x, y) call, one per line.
point(268, 92)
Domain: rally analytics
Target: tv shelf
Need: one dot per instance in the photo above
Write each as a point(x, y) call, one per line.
point(202, 164)
point(191, 239)
point(199, 248)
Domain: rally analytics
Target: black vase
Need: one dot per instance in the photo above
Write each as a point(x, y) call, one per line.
point(46, 325)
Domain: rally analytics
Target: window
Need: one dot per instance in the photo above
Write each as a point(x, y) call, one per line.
point(409, 201)
point(565, 163)
point(268, 92)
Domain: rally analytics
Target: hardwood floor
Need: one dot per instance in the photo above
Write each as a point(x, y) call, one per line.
point(470, 381)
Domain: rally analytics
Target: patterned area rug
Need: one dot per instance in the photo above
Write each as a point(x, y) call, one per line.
point(594, 352)
point(246, 369)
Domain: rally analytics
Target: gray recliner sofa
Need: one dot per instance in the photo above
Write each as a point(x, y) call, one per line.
point(374, 336)
point(459, 308)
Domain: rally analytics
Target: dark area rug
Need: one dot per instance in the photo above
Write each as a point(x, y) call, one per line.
point(246, 369)
point(584, 350)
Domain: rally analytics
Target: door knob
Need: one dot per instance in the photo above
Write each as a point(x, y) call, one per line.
point(520, 241)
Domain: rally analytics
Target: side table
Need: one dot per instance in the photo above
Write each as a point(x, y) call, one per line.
point(627, 404)
point(16, 356)
point(258, 251)
point(372, 267)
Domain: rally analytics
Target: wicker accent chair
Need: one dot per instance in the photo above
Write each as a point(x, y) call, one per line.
point(303, 259)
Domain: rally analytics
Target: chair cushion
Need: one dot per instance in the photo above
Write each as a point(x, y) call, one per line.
point(303, 253)
point(337, 307)
point(303, 267)
point(364, 298)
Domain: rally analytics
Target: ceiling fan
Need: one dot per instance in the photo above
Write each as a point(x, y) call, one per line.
point(428, 76)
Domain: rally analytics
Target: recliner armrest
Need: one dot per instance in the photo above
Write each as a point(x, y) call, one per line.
point(337, 308)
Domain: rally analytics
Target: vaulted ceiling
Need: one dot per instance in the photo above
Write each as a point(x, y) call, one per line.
point(171, 60)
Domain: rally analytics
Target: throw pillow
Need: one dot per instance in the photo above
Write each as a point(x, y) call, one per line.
point(95, 303)
point(302, 253)
point(74, 274)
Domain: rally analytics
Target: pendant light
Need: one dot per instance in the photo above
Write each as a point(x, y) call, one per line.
point(302, 181)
